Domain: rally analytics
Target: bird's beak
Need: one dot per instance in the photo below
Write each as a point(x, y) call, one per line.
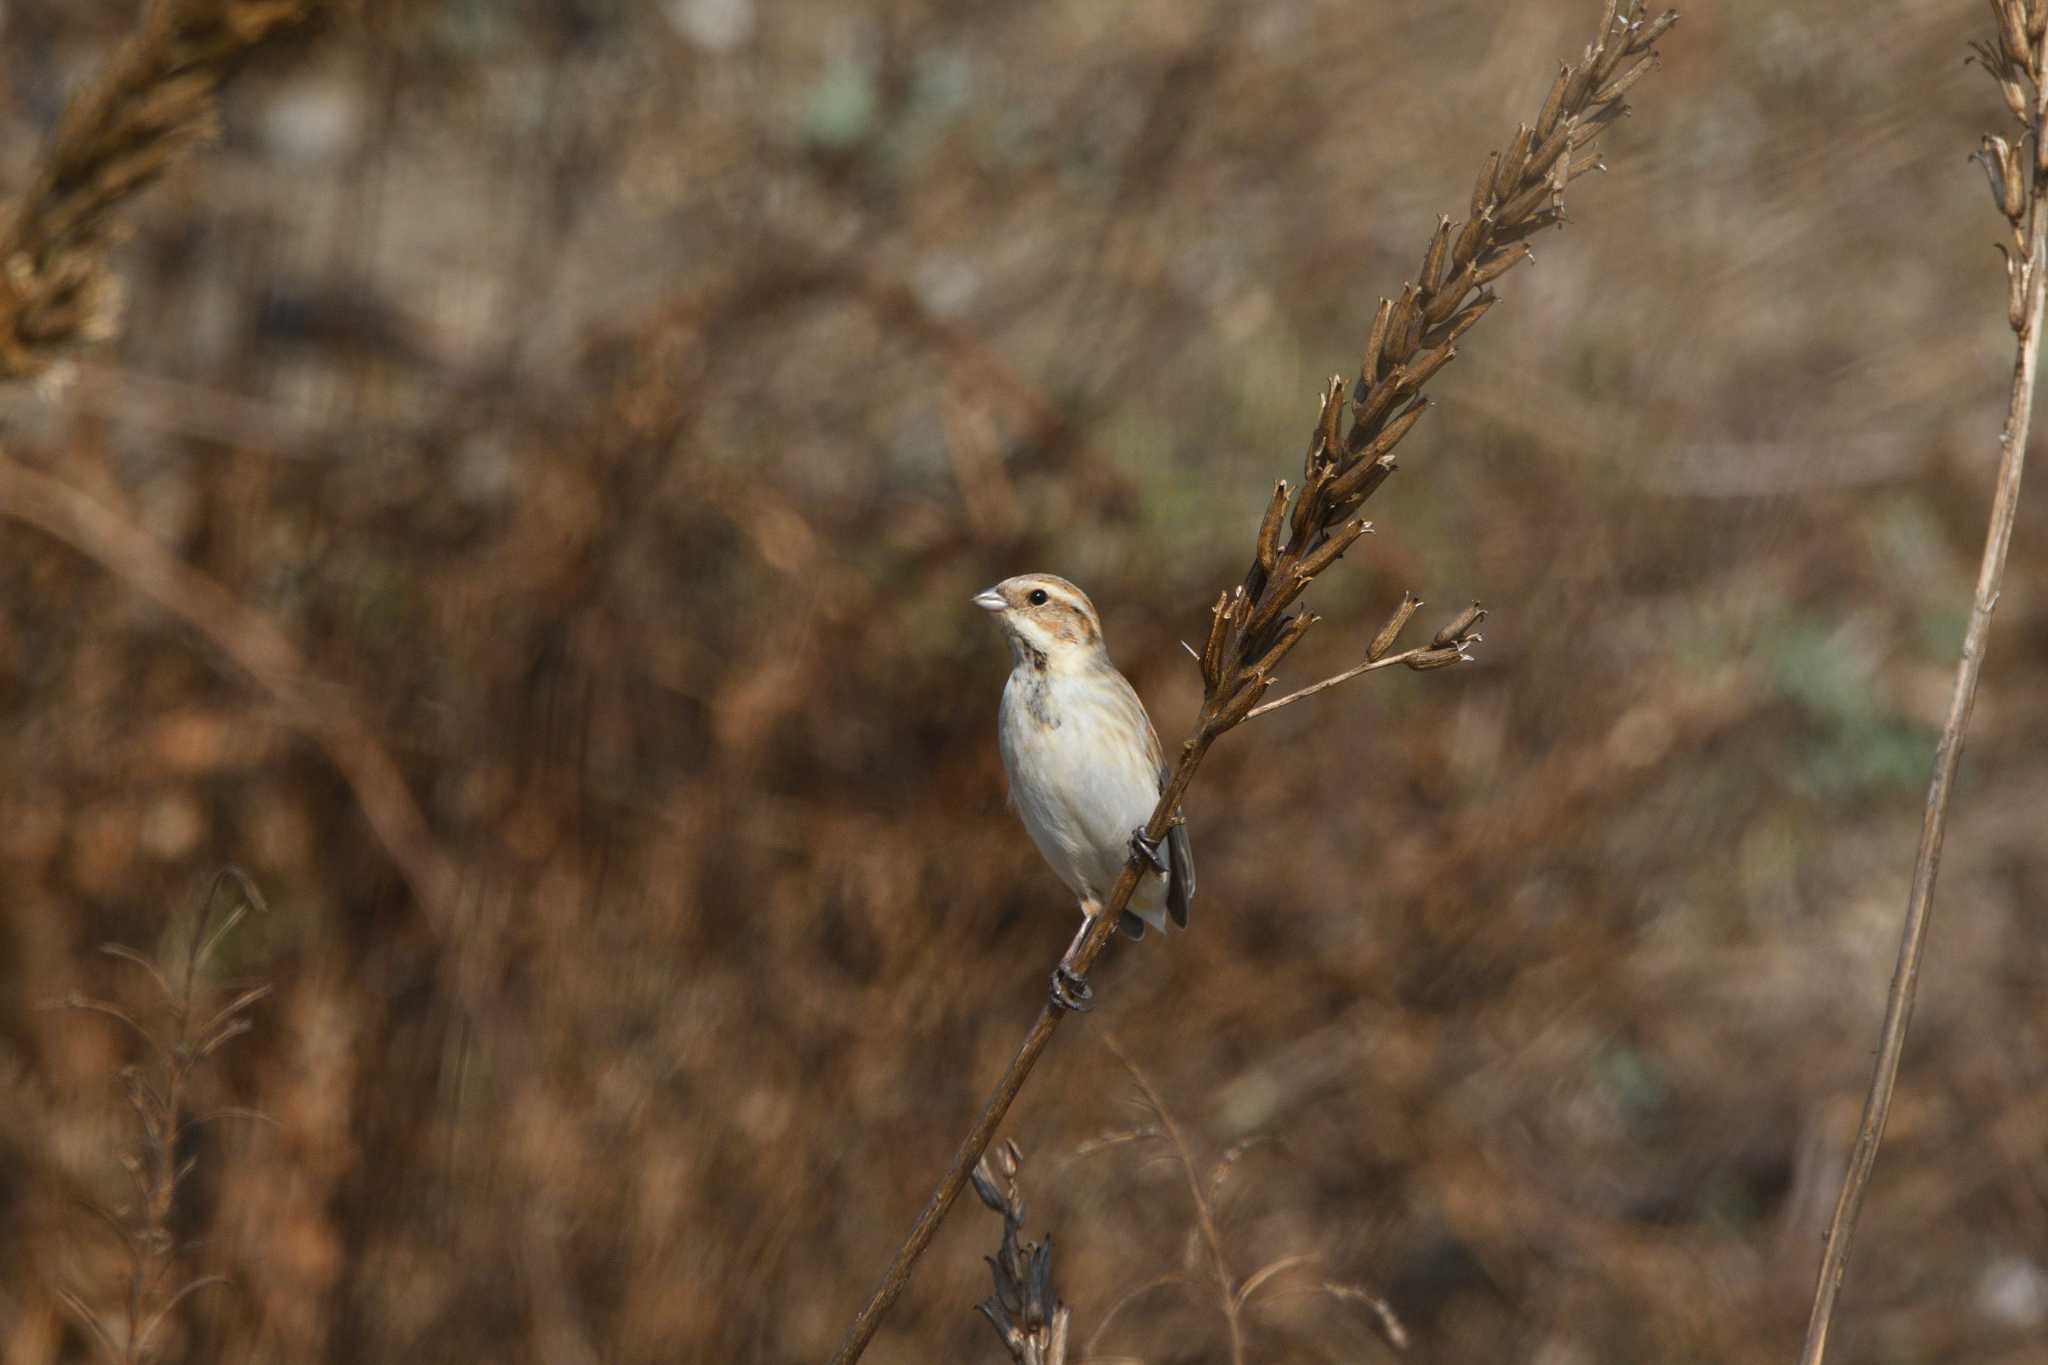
point(990, 601)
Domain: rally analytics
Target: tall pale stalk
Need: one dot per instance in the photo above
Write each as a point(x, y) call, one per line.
point(2018, 170)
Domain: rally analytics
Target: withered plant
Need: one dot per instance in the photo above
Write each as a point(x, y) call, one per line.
point(1025, 1308)
point(192, 1017)
point(2017, 167)
point(1234, 1295)
point(1306, 529)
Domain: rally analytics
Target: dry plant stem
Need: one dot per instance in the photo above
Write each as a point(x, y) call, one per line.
point(255, 646)
point(1898, 1012)
point(1228, 1297)
point(1307, 529)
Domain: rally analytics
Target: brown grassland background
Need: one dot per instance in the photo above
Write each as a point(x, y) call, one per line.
point(617, 404)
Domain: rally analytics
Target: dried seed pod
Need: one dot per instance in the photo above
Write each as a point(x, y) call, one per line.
point(1509, 257)
point(2012, 35)
point(1508, 175)
point(1554, 104)
point(1397, 327)
point(1375, 342)
point(2037, 18)
point(1433, 259)
point(1366, 417)
point(1435, 658)
point(1595, 121)
point(1526, 203)
point(1613, 47)
point(1619, 86)
point(1384, 443)
point(1459, 626)
point(1391, 631)
point(1556, 145)
point(2015, 175)
point(1482, 190)
point(1650, 30)
point(2015, 96)
point(1576, 88)
point(1331, 550)
point(1449, 297)
point(1323, 444)
point(1291, 631)
point(1364, 478)
point(1531, 225)
point(1240, 705)
point(1308, 506)
point(1212, 651)
point(1429, 363)
point(1584, 165)
point(1470, 238)
point(1464, 321)
point(1269, 530)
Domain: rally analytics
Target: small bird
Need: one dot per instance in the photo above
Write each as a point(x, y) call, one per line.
point(1084, 762)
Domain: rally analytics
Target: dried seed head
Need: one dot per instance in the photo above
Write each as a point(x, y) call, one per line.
point(1291, 631)
point(1463, 322)
point(1433, 258)
point(1435, 658)
point(1391, 631)
point(1459, 627)
point(1383, 444)
point(1269, 531)
point(1619, 86)
point(1331, 550)
point(1375, 346)
point(1554, 105)
point(1429, 363)
point(1398, 347)
point(1649, 31)
point(1508, 259)
point(1482, 190)
point(1507, 176)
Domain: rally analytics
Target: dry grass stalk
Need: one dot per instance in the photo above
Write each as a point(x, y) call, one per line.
point(159, 1093)
point(152, 103)
point(2017, 59)
point(1025, 1309)
point(1304, 531)
point(1234, 1297)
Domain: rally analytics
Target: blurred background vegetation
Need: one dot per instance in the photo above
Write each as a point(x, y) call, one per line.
point(617, 404)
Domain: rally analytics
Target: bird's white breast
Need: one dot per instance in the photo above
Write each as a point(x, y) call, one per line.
point(1080, 777)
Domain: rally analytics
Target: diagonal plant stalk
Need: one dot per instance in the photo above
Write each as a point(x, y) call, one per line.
point(1304, 531)
point(2018, 60)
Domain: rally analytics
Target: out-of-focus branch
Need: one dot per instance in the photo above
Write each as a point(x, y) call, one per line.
point(255, 647)
point(2018, 60)
point(1304, 531)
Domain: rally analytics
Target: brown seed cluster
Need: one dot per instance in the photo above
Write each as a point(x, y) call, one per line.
point(1351, 452)
point(1025, 1309)
point(153, 102)
point(2017, 177)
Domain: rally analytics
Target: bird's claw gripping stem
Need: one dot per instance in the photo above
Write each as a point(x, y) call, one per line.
point(1149, 851)
point(1071, 991)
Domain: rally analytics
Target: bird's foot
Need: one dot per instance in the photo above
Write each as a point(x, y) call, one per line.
point(1149, 850)
point(1070, 991)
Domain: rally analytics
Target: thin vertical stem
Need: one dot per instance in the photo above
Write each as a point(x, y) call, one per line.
point(1898, 1013)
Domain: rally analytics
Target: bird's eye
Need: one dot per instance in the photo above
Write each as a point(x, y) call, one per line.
point(1038, 597)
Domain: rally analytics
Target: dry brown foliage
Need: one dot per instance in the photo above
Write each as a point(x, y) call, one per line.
point(613, 411)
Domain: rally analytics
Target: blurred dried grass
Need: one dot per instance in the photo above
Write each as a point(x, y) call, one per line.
point(614, 406)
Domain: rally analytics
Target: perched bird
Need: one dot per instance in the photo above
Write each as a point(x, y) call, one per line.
point(1084, 762)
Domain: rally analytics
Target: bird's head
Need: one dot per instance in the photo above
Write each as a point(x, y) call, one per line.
point(1046, 618)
